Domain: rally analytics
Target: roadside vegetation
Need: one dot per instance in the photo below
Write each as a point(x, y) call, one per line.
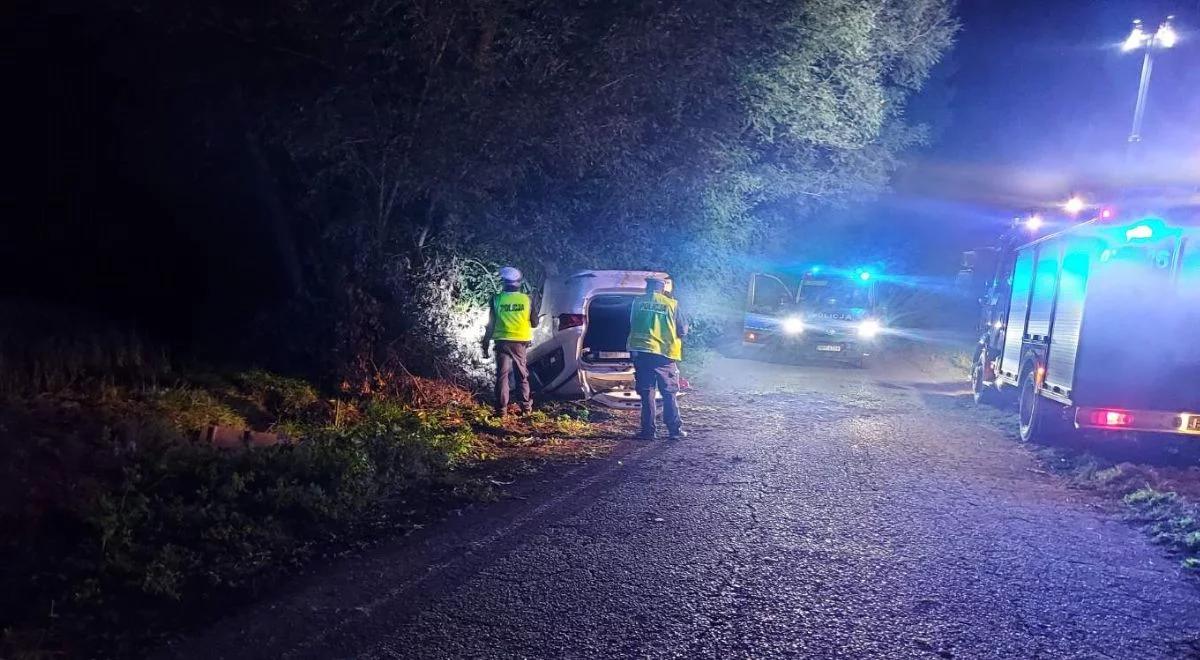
point(1154, 484)
point(122, 521)
point(1159, 491)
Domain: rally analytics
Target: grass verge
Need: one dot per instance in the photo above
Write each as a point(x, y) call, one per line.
point(1163, 499)
point(121, 525)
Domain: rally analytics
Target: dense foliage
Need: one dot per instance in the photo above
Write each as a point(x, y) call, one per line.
point(117, 524)
point(381, 146)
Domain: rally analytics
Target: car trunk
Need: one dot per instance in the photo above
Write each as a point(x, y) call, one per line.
point(607, 329)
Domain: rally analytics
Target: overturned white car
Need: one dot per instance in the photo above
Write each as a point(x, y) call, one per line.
point(579, 347)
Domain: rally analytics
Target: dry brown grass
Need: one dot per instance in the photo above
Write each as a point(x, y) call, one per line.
point(560, 431)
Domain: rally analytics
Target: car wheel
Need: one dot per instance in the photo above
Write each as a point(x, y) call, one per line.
point(1039, 418)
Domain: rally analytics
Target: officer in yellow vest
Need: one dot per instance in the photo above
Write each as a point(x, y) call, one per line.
point(656, 330)
point(511, 320)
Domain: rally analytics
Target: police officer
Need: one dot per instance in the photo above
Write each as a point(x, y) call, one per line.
point(511, 320)
point(656, 330)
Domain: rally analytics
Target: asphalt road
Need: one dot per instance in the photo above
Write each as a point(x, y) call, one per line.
point(815, 511)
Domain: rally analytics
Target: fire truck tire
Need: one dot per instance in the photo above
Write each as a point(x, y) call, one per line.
point(1039, 418)
point(982, 392)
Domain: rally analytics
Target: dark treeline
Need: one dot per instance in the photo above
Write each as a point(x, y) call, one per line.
point(319, 185)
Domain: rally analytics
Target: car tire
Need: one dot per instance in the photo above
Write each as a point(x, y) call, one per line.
point(1039, 419)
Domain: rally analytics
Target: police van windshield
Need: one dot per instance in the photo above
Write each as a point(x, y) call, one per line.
point(837, 292)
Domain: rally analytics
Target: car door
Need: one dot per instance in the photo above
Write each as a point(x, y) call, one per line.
point(767, 295)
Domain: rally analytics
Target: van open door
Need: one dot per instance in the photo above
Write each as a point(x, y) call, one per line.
point(768, 294)
point(766, 300)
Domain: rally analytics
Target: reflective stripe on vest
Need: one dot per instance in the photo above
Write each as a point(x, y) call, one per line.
point(512, 317)
point(652, 326)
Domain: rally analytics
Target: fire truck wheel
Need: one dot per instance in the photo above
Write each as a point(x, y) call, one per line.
point(981, 391)
point(1040, 418)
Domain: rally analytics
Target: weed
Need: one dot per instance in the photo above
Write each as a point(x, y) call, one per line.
point(582, 413)
point(1149, 497)
point(570, 426)
point(125, 524)
point(188, 409)
point(1191, 541)
point(155, 524)
point(1170, 520)
point(285, 398)
point(963, 361)
point(50, 349)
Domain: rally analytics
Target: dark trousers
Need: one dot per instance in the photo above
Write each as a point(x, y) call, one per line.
point(653, 371)
point(511, 358)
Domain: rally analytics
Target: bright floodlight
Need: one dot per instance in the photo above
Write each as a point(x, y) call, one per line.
point(1033, 222)
point(793, 325)
point(1166, 36)
point(864, 276)
point(1074, 205)
point(1136, 39)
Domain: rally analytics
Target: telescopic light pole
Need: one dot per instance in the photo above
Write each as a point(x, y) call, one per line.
point(1138, 39)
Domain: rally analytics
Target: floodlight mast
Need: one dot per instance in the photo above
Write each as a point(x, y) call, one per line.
point(1165, 37)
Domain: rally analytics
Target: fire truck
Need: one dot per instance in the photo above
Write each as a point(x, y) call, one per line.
point(1096, 327)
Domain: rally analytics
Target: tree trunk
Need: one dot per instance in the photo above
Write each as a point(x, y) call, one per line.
point(281, 230)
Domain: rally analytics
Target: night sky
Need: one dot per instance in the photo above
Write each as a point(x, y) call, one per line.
point(1036, 102)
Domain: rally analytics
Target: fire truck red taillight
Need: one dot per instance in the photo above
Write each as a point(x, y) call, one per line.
point(1113, 418)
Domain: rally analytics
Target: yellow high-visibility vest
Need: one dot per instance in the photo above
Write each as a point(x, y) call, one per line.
point(652, 326)
point(512, 317)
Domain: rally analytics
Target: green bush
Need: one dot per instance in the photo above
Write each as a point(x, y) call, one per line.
point(164, 523)
point(189, 409)
point(283, 397)
point(186, 517)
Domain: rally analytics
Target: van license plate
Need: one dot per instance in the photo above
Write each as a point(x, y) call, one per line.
point(1193, 423)
point(830, 348)
point(613, 355)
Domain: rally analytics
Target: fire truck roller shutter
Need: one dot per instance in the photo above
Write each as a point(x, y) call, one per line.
point(1045, 285)
point(1022, 284)
point(1078, 254)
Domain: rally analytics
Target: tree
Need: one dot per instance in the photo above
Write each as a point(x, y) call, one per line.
point(394, 141)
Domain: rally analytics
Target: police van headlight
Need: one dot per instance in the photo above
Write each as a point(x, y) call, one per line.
point(869, 328)
point(793, 325)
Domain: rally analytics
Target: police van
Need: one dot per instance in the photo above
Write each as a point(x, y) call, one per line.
point(1097, 327)
point(825, 312)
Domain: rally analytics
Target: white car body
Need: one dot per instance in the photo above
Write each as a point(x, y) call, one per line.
point(579, 347)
